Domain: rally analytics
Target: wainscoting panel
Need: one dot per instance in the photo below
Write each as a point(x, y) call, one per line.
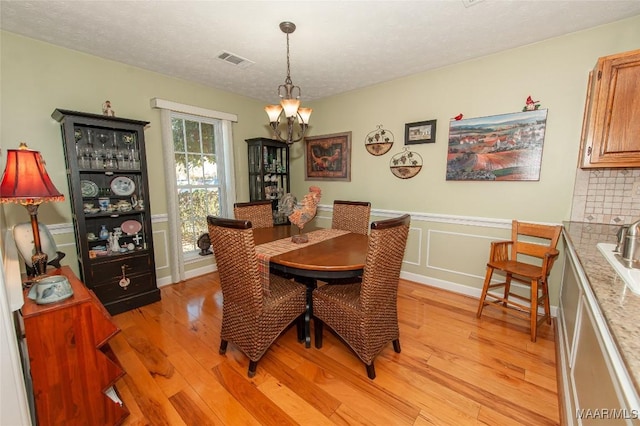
point(445, 251)
point(458, 253)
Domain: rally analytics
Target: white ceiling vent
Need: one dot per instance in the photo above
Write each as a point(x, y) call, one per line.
point(234, 59)
point(469, 3)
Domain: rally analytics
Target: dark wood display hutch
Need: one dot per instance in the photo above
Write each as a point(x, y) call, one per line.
point(106, 164)
point(269, 173)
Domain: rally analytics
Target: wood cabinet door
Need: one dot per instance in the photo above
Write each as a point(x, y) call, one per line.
point(611, 127)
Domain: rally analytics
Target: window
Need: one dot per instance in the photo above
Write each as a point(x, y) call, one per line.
point(197, 147)
point(196, 171)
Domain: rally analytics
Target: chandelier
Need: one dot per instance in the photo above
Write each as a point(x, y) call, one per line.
point(289, 106)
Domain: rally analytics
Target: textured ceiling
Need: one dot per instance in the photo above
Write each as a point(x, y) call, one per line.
point(338, 45)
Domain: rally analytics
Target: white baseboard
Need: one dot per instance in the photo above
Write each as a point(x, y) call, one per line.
point(192, 273)
point(453, 287)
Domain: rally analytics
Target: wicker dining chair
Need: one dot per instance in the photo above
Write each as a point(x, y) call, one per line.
point(352, 216)
point(365, 314)
point(260, 213)
point(252, 316)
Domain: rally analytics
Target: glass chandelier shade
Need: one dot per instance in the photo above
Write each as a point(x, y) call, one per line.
point(289, 111)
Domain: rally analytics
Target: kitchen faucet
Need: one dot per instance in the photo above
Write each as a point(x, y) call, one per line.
point(628, 238)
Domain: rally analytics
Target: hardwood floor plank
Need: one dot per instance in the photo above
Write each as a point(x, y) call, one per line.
point(214, 395)
point(305, 389)
point(254, 401)
point(190, 411)
point(445, 418)
point(522, 393)
point(290, 401)
point(490, 395)
point(454, 369)
point(345, 382)
point(148, 396)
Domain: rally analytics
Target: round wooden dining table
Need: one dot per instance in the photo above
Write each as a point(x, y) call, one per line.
point(330, 260)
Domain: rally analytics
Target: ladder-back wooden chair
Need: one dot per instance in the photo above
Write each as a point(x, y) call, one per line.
point(352, 216)
point(260, 213)
point(253, 316)
point(365, 314)
point(529, 241)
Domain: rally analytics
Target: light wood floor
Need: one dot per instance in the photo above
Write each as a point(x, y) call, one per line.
point(453, 370)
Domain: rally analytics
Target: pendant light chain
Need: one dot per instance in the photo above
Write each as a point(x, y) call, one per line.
point(288, 79)
point(288, 113)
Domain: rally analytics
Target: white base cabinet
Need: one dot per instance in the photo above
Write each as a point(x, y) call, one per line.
point(594, 386)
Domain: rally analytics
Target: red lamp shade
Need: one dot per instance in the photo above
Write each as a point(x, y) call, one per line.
point(25, 180)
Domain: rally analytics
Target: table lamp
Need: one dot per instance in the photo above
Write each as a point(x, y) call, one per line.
point(25, 181)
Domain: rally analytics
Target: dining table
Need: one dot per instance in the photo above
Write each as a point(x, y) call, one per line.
point(330, 255)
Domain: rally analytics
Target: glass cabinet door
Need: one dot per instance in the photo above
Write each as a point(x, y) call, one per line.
point(268, 173)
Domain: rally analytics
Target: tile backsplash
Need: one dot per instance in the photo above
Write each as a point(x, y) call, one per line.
point(610, 196)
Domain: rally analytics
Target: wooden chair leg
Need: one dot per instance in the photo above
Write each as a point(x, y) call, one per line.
point(300, 328)
point(396, 346)
point(534, 309)
point(545, 294)
point(507, 289)
point(252, 368)
point(317, 325)
point(371, 371)
point(223, 347)
point(485, 288)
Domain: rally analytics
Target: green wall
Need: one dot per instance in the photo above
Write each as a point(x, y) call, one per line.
point(554, 72)
point(452, 222)
point(37, 77)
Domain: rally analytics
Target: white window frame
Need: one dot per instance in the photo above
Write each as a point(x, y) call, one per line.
point(226, 173)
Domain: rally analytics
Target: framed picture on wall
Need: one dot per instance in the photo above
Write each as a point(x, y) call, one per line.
point(328, 157)
point(420, 132)
point(498, 147)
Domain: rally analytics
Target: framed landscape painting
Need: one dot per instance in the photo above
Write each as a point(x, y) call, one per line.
point(328, 157)
point(499, 147)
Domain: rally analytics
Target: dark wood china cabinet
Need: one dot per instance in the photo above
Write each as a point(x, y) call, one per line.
point(269, 173)
point(109, 191)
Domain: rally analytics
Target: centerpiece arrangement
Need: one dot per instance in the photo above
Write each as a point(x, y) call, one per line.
point(302, 214)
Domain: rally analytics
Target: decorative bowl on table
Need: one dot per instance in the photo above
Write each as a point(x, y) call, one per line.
point(51, 289)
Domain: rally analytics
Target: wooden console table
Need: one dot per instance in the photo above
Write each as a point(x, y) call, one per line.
point(72, 367)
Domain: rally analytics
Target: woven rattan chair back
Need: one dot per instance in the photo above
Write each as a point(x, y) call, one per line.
point(529, 242)
point(352, 216)
point(252, 318)
point(258, 212)
point(365, 314)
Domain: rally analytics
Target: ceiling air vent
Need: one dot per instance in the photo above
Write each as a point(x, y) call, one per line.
point(236, 60)
point(469, 3)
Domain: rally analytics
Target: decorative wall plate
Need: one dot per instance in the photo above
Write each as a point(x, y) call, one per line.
point(131, 227)
point(122, 185)
point(379, 141)
point(88, 188)
point(405, 164)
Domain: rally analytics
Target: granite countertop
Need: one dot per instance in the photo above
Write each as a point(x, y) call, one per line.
point(619, 306)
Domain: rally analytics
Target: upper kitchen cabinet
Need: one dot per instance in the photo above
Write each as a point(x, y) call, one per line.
point(611, 126)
